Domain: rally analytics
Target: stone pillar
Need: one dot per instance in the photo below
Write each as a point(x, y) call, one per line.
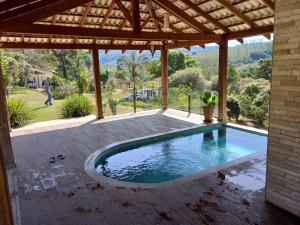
point(283, 164)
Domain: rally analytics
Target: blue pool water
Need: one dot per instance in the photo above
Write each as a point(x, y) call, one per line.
point(169, 158)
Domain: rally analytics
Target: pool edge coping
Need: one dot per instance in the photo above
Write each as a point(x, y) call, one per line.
point(89, 165)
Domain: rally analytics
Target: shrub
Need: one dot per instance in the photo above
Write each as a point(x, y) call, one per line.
point(234, 108)
point(112, 103)
point(19, 112)
point(63, 89)
point(76, 106)
point(188, 76)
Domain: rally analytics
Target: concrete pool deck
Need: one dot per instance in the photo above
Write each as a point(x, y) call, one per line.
point(62, 193)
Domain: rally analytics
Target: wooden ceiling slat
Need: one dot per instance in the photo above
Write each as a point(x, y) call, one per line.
point(173, 9)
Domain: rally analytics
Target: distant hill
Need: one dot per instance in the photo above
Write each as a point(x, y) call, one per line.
point(237, 54)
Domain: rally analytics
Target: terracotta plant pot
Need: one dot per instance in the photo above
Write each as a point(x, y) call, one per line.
point(208, 112)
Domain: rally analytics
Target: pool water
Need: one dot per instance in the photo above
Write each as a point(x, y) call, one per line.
point(182, 155)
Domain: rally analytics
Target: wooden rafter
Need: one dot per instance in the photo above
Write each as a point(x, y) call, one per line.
point(107, 14)
point(250, 32)
point(124, 11)
point(85, 13)
point(191, 21)
point(40, 10)
point(136, 24)
point(7, 5)
point(270, 4)
point(146, 21)
point(153, 15)
point(206, 16)
point(236, 12)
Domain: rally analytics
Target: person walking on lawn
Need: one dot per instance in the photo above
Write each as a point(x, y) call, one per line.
point(47, 85)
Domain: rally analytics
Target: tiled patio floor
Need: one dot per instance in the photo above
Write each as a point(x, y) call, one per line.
point(63, 194)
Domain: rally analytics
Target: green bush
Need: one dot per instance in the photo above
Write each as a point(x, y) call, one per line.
point(234, 108)
point(63, 88)
point(76, 106)
point(187, 77)
point(113, 105)
point(19, 112)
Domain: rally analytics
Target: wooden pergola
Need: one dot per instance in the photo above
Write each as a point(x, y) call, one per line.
point(125, 25)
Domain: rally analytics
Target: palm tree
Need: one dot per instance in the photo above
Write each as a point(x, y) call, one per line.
point(132, 62)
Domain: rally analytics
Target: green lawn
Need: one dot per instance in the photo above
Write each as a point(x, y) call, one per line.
point(36, 98)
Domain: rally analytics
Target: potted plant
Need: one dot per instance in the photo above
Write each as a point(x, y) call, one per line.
point(209, 100)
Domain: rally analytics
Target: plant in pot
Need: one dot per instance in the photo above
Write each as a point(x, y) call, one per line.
point(209, 100)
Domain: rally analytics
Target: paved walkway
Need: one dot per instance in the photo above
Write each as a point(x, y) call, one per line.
point(63, 194)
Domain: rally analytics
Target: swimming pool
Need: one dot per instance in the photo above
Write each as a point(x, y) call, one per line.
point(179, 154)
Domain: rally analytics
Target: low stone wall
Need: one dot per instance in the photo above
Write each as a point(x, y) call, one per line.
point(283, 167)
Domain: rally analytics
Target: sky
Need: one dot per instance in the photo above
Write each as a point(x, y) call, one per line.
point(254, 39)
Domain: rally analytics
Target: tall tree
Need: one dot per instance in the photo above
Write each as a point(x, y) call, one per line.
point(132, 62)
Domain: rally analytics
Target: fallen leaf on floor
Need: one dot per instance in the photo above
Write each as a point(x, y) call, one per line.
point(245, 202)
point(164, 216)
point(208, 219)
point(94, 187)
point(71, 194)
point(221, 175)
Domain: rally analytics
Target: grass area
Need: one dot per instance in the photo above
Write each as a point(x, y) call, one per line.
point(36, 98)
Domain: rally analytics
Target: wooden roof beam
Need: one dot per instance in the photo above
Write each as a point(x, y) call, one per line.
point(107, 14)
point(85, 13)
point(40, 10)
point(153, 15)
point(236, 12)
point(206, 16)
point(136, 15)
point(179, 13)
point(101, 33)
point(270, 4)
point(124, 11)
point(146, 21)
point(250, 32)
point(7, 5)
point(19, 45)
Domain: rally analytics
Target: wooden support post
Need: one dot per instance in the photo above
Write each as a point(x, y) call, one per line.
point(97, 83)
point(164, 76)
point(5, 140)
point(223, 60)
point(6, 217)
